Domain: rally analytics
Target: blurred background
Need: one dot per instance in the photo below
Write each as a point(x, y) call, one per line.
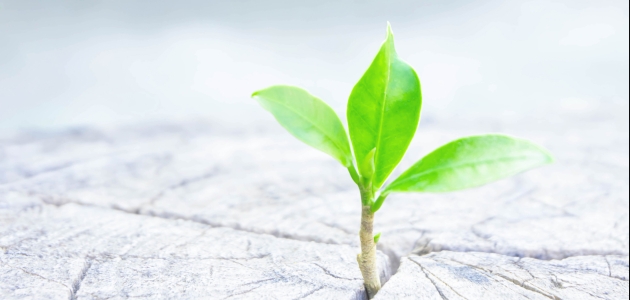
point(103, 63)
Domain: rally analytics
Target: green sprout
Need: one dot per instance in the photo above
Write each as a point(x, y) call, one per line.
point(383, 114)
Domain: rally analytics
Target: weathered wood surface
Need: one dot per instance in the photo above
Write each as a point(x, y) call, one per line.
point(453, 275)
point(78, 252)
point(261, 181)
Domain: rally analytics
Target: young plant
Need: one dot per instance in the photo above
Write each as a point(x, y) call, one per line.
point(383, 114)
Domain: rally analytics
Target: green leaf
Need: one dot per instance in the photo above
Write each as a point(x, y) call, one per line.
point(470, 162)
point(379, 201)
point(307, 118)
point(383, 112)
point(377, 237)
point(368, 164)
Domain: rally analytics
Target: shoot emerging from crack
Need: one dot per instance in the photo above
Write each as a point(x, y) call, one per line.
point(383, 114)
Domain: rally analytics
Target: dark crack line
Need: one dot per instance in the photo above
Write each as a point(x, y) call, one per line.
point(422, 245)
point(184, 182)
point(274, 234)
point(231, 259)
point(29, 176)
point(194, 220)
point(170, 216)
point(240, 264)
point(26, 175)
point(218, 225)
point(512, 280)
point(578, 287)
point(609, 267)
point(186, 242)
point(518, 264)
point(346, 231)
point(333, 275)
point(310, 293)
point(250, 290)
point(610, 275)
point(431, 280)
point(108, 256)
point(77, 283)
point(36, 275)
point(610, 271)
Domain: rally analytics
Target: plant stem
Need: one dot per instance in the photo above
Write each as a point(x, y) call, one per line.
point(367, 258)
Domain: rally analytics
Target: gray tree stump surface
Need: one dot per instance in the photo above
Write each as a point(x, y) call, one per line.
point(202, 210)
point(456, 275)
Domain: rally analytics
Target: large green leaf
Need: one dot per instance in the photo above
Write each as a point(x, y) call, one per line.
point(470, 162)
point(383, 113)
point(308, 118)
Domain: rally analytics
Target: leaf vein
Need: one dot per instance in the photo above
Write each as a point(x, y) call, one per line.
point(463, 165)
point(380, 125)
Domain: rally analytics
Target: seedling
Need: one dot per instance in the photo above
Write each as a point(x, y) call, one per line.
point(383, 114)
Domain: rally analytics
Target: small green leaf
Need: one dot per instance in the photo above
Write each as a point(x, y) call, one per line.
point(470, 162)
point(353, 174)
point(368, 164)
point(379, 201)
point(377, 237)
point(307, 118)
point(383, 112)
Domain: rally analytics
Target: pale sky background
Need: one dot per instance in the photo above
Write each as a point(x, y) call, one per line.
point(103, 63)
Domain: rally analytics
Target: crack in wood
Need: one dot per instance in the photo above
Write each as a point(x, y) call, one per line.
point(37, 275)
point(76, 285)
point(511, 280)
point(426, 273)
